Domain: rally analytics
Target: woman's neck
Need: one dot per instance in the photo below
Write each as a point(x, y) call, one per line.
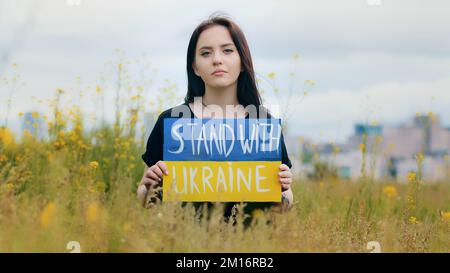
point(221, 97)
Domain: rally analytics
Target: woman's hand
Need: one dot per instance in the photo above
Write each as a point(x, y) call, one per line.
point(285, 177)
point(151, 180)
point(153, 176)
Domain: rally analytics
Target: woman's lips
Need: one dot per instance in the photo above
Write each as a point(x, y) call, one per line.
point(219, 73)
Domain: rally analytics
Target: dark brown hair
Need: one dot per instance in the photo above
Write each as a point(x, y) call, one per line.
point(247, 92)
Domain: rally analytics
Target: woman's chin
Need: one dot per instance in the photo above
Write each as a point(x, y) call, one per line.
point(220, 84)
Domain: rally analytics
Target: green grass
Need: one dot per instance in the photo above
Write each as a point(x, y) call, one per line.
point(50, 195)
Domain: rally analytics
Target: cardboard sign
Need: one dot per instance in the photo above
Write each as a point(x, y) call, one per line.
point(222, 160)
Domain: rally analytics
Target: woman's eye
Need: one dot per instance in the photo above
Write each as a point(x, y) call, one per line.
point(207, 53)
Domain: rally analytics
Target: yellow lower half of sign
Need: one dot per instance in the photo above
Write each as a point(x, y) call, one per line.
point(222, 181)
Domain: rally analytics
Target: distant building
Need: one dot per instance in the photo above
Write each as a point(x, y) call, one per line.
point(439, 143)
point(370, 132)
point(350, 164)
point(390, 151)
point(423, 135)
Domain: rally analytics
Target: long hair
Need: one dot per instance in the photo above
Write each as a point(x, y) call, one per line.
point(247, 92)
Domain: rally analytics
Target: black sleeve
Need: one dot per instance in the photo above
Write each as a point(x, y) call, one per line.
point(154, 150)
point(284, 154)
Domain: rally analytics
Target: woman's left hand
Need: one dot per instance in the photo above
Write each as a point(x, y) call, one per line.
point(285, 177)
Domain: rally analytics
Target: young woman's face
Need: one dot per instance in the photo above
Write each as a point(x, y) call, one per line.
point(216, 51)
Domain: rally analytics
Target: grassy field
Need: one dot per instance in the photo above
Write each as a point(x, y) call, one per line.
point(79, 185)
point(67, 189)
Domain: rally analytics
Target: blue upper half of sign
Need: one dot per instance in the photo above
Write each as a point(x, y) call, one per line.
point(222, 139)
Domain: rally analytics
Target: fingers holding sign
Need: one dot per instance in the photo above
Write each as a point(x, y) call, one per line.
point(285, 177)
point(162, 166)
point(154, 175)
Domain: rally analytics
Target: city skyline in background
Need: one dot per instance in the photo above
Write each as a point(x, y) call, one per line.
point(369, 63)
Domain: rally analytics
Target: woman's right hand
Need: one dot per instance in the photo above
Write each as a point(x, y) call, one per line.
point(152, 179)
point(153, 176)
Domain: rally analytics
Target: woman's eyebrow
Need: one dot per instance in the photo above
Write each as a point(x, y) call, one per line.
point(210, 47)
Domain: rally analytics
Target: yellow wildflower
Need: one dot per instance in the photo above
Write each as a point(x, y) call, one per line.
point(126, 227)
point(446, 216)
point(271, 75)
point(433, 117)
point(412, 176)
point(390, 191)
point(47, 214)
point(80, 143)
point(136, 97)
point(93, 164)
point(92, 212)
point(362, 147)
point(420, 157)
point(6, 137)
point(3, 158)
point(413, 220)
point(9, 186)
point(73, 137)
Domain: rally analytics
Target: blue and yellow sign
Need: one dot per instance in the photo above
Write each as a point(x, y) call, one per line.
point(222, 160)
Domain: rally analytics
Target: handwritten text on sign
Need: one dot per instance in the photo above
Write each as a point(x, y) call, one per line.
point(222, 159)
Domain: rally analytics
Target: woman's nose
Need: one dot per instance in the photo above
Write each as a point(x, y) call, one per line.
point(217, 59)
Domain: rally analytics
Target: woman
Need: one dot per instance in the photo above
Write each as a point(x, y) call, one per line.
point(220, 78)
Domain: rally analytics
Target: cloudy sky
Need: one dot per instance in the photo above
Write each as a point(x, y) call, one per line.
point(371, 60)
